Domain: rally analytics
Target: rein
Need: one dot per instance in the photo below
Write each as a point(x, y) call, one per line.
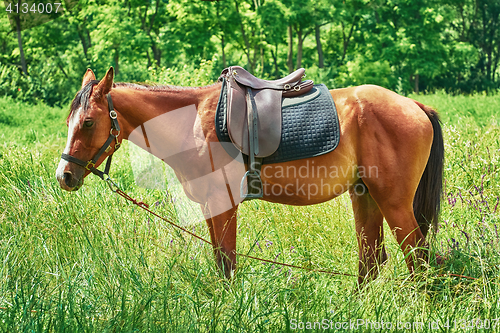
point(104, 175)
point(114, 187)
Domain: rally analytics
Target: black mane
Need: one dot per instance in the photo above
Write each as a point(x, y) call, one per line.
point(82, 97)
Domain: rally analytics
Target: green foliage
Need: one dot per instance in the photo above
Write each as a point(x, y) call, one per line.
point(272, 15)
point(402, 45)
point(47, 85)
point(360, 71)
point(25, 124)
point(328, 76)
point(187, 75)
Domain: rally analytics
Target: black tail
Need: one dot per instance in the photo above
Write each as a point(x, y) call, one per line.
point(427, 201)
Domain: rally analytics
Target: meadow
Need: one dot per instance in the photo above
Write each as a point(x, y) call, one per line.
point(90, 262)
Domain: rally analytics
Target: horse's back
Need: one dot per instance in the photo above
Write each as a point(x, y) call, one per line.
point(372, 102)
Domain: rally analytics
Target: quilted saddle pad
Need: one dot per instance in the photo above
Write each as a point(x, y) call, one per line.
point(310, 126)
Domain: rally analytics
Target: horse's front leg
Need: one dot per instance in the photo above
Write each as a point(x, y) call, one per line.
point(222, 229)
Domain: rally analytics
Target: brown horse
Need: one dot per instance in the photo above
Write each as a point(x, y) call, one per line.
point(390, 159)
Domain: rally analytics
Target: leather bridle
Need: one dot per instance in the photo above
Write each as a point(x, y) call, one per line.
point(106, 147)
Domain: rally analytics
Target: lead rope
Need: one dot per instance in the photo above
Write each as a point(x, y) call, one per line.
point(114, 187)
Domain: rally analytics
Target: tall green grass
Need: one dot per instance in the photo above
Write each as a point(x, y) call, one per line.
point(90, 262)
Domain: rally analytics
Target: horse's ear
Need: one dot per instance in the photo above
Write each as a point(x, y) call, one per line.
point(89, 76)
point(104, 86)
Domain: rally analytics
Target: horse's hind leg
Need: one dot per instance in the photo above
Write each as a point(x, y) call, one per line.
point(369, 231)
point(394, 194)
point(402, 222)
point(394, 140)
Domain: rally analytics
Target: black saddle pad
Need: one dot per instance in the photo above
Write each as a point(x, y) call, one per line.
point(310, 126)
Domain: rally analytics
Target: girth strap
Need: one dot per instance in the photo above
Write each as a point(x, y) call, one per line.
point(252, 176)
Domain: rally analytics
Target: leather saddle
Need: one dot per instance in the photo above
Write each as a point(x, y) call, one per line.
point(254, 117)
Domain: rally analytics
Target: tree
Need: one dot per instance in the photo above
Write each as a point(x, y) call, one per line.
point(273, 27)
point(478, 23)
point(407, 35)
point(117, 39)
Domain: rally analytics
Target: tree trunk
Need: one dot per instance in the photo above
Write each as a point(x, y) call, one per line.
point(154, 47)
point(416, 84)
point(495, 65)
point(222, 40)
point(116, 59)
point(347, 39)
point(262, 61)
point(84, 43)
point(255, 54)
point(290, 49)
point(245, 39)
point(84, 35)
point(300, 42)
point(489, 65)
point(88, 38)
point(153, 17)
point(321, 63)
point(20, 43)
point(274, 54)
point(59, 64)
point(222, 46)
point(156, 52)
point(149, 60)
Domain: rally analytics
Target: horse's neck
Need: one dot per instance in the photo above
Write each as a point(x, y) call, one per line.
point(164, 123)
point(140, 106)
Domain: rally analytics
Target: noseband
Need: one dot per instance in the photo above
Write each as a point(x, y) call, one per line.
point(106, 147)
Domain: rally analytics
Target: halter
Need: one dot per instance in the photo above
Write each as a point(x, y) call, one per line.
point(106, 147)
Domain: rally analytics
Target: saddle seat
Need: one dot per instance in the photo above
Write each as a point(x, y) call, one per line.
point(254, 114)
point(248, 80)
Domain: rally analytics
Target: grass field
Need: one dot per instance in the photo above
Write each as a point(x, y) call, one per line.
point(90, 262)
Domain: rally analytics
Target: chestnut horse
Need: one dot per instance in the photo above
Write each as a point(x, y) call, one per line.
point(389, 158)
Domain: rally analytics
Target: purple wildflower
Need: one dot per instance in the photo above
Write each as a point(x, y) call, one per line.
point(466, 235)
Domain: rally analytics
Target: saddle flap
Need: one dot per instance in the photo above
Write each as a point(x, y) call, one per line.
point(268, 104)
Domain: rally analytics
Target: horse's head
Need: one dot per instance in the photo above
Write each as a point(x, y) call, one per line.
point(89, 124)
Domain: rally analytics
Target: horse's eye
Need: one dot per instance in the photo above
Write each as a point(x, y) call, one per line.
point(88, 123)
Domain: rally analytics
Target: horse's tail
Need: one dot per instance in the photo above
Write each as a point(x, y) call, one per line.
point(427, 201)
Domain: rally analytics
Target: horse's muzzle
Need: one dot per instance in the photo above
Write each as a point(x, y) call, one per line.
point(68, 179)
point(71, 182)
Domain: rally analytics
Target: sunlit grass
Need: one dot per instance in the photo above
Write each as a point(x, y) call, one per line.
point(89, 261)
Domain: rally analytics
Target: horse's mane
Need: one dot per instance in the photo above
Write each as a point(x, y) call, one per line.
point(155, 87)
point(82, 97)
